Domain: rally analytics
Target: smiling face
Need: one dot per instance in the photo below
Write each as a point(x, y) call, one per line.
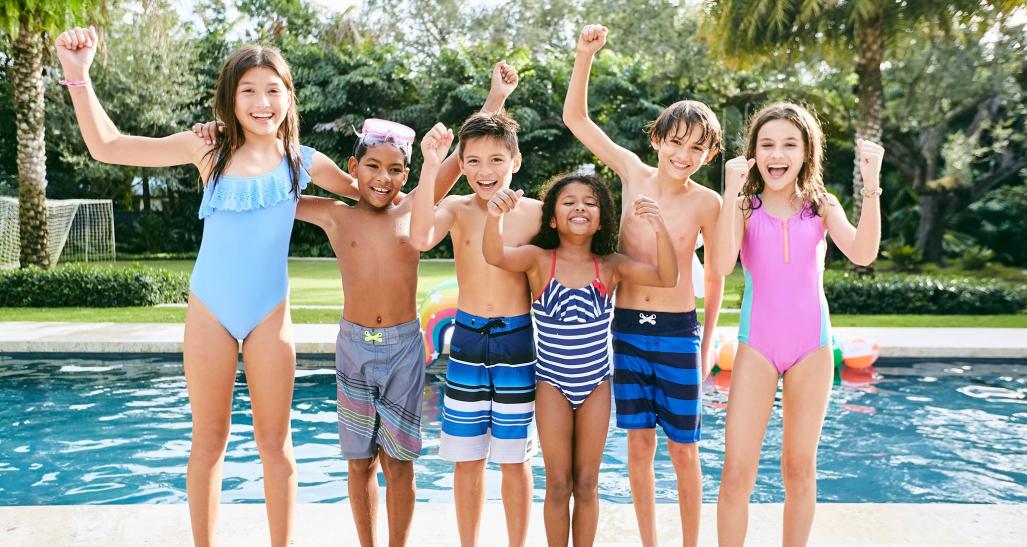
point(380, 173)
point(577, 210)
point(780, 153)
point(682, 152)
point(488, 165)
point(262, 102)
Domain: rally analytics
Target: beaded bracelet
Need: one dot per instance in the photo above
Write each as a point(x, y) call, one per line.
point(74, 83)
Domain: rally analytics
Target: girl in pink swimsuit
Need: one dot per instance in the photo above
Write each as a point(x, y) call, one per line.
point(777, 216)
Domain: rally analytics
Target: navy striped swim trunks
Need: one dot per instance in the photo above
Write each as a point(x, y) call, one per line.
point(657, 377)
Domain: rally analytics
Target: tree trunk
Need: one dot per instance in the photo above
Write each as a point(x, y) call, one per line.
point(27, 76)
point(146, 193)
point(869, 42)
point(930, 233)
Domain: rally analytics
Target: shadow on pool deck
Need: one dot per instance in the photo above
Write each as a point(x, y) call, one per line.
point(836, 524)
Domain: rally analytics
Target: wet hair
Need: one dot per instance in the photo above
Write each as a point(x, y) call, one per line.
point(604, 241)
point(238, 63)
point(494, 125)
point(681, 118)
point(362, 146)
point(809, 183)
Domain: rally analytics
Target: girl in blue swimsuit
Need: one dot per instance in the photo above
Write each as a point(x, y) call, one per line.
point(572, 268)
point(239, 286)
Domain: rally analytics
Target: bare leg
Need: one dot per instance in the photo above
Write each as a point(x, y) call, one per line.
point(399, 497)
point(807, 388)
point(685, 457)
point(641, 452)
point(362, 482)
point(469, 494)
point(555, 421)
point(750, 401)
point(591, 424)
point(210, 356)
point(517, 501)
point(270, 360)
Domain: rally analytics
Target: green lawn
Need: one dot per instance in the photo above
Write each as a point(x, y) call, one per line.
point(317, 283)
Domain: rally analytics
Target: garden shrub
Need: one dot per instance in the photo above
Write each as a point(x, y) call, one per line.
point(80, 285)
point(920, 294)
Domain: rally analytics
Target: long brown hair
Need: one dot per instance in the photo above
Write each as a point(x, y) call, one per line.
point(809, 183)
point(238, 63)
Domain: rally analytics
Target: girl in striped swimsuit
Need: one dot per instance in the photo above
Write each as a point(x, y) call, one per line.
point(572, 268)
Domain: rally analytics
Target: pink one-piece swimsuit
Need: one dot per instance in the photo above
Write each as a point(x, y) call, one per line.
point(784, 311)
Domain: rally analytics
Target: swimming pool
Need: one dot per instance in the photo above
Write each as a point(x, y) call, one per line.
point(115, 429)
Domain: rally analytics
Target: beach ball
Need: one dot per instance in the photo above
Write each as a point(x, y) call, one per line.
point(722, 381)
point(860, 352)
point(836, 352)
point(438, 316)
point(725, 352)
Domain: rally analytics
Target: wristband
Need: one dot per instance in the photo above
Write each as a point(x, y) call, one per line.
point(871, 193)
point(74, 83)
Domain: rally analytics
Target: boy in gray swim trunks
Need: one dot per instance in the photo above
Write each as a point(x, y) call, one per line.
point(380, 348)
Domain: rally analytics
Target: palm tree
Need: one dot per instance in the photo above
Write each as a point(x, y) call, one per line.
point(28, 24)
point(749, 28)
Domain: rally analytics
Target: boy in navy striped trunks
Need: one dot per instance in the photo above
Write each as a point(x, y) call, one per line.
point(380, 348)
point(660, 349)
point(489, 406)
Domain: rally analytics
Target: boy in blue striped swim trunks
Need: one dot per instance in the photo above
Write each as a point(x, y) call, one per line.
point(660, 349)
point(489, 405)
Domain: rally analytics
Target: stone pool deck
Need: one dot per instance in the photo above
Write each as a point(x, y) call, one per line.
point(836, 524)
point(51, 337)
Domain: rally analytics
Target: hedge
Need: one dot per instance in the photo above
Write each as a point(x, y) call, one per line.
point(920, 294)
point(79, 285)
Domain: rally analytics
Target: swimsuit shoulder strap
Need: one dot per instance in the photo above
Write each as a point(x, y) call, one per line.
point(552, 271)
point(595, 262)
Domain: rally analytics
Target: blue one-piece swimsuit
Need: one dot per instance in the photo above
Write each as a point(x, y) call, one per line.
point(241, 272)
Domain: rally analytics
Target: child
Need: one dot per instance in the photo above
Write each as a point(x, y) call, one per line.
point(778, 222)
point(488, 406)
point(573, 269)
point(660, 360)
point(239, 284)
point(380, 348)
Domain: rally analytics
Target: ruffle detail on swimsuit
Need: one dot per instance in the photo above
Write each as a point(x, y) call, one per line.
point(251, 193)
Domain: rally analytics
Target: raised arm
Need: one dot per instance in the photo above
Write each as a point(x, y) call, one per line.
point(730, 224)
point(665, 272)
point(76, 49)
point(504, 82)
point(575, 108)
point(860, 244)
point(428, 223)
point(511, 259)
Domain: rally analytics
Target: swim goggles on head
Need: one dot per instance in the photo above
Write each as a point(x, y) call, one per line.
point(376, 131)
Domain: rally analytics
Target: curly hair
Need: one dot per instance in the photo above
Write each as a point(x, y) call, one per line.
point(809, 183)
point(604, 241)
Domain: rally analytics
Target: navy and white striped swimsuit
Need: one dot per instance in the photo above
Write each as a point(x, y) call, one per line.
point(572, 334)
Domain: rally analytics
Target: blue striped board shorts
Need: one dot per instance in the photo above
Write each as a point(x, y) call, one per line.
point(657, 372)
point(489, 407)
point(379, 376)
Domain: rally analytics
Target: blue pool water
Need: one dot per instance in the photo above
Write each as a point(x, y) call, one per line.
point(115, 429)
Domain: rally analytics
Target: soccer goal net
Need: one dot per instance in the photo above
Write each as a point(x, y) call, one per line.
point(81, 230)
